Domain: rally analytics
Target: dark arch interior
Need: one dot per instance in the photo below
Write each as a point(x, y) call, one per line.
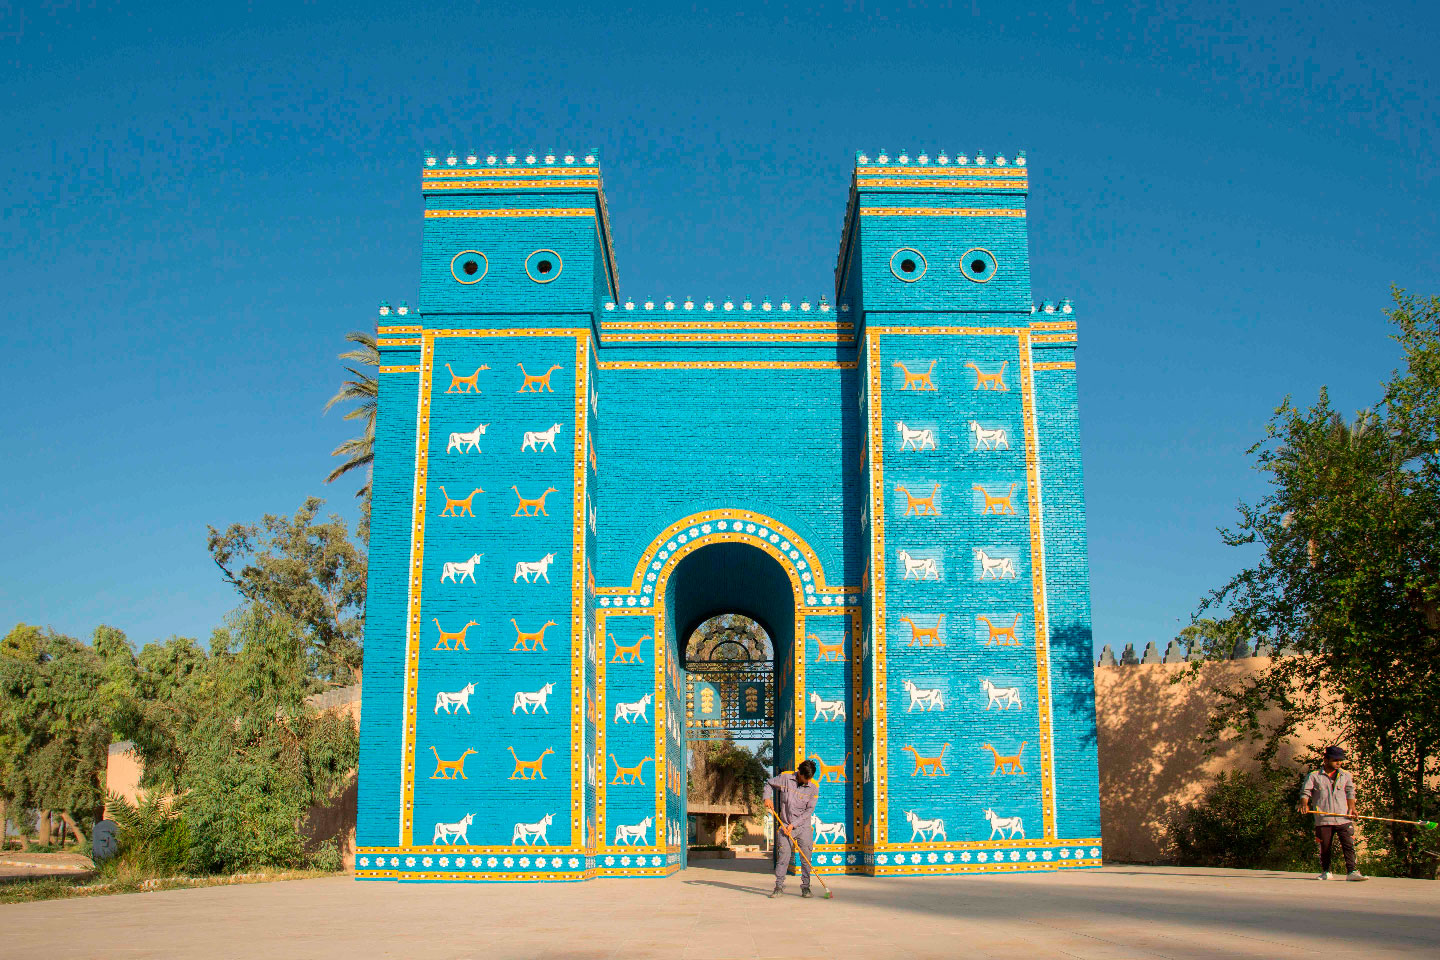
point(731, 578)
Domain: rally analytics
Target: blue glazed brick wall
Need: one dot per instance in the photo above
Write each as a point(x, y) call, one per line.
point(948, 698)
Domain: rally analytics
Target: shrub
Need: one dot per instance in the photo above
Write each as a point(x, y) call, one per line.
point(152, 840)
point(328, 858)
point(1246, 821)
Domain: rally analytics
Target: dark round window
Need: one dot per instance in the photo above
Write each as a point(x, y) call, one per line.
point(543, 265)
point(907, 264)
point(978, 266)
point(469, 266)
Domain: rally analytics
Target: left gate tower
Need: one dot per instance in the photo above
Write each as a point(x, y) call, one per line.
point(483, 535)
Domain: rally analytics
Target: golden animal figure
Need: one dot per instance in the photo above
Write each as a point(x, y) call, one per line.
point(990, 381)
point(449, 769)
point(459, 384)
point(928, 766)
point(1002, 635)
point(916, 381)
point(996, 504)
point(462, 506)
point(1008, 765)
point(925, 636)
point(528, 507)
point(920, 506)
point(828, 772)
point(828, 651)
point(630, 654)
point(536, 383)
point(457, 638)
point(529, 769)
point(635, 774)
point(530, 641)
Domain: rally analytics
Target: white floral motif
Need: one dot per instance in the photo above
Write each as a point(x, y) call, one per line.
point(426, 861)
point(609, 861)
point(984, 858)
point(749, 528)
point(785, 545)
point(394, 861)
point(1047, 855)
point(723, 525)
point(364, 861)
point(491, 863)
point(932, 858)
point(706, 528)
point(444, 861)
point(541, 862)
point(1064, 854)
point(682, 538)
point(524, 861)
point(881, 860)
point(409, 861)
point(1094, 851)
point(694, 532)
point(574, 862)
point(509, 862)
point(670, 545)
point(624, 861)
point(1014, 855)
point(1030, 855)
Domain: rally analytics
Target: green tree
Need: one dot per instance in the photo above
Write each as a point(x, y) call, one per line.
point(308, 571)
point(1348, 578)
point(364, 390)
point(54, 725)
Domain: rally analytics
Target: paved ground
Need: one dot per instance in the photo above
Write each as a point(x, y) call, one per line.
point(718, 910)
point(16, 864)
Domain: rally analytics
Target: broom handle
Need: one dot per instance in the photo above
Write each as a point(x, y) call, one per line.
point(1361, 816)
point(799, 849)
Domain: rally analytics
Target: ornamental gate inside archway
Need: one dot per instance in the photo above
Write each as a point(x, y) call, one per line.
point(567, 482)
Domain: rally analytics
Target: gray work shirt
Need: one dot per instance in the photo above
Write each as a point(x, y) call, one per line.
point(1327, 794)
point(794, 803)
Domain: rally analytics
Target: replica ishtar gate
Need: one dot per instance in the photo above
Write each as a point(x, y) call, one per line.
point(569, 480)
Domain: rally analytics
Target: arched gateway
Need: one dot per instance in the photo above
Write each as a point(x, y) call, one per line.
point(568, 482)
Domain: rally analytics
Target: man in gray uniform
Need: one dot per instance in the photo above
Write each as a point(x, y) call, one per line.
point(792, 797)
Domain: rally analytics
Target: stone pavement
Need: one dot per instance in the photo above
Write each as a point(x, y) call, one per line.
point(718, 910)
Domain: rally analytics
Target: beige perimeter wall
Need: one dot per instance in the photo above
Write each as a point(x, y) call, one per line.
point(1152, 761)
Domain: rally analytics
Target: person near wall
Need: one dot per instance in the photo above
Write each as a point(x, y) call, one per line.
point(1326, 793)
point(792, 798)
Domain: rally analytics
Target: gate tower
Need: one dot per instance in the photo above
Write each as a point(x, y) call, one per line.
point(568, 481)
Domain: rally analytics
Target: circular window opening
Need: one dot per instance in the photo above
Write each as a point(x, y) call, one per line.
point(978, 264)
point(469, 266)
point(542, 266)
point(907, 264)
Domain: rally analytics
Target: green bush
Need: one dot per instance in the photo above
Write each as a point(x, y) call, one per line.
point(328, 858)
point(152, 840)
point(1247, 821)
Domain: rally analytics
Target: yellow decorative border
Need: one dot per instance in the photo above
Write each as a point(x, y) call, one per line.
point(930, 869)
point(430, 173)
point(1056, 365)
point(954, 183)
point(728, 364)
point(397, 341)
point(417, 546)
point(512, 212)
point(937, 212)
point(410, 368)
point(1053, 324)
point(397, 331)
point(510, 184)
point(878, 566)
point(725, 325)
point(680, 527)
point(868, 170)
point(727, 338)
point(1055, 338)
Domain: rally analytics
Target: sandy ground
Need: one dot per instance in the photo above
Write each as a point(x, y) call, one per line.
point(717, 909)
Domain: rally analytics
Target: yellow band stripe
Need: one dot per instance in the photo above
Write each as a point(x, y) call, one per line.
point(936, 212)
point(1052, 325)
point(868, 171)
point(726, 337)
point(1055, 338)
point(954, 184)
point(514, 172)
point(510, 184)
point(524, 212)
point(1056, 365)
point(725, 325)
point(413, 368)
point(728, 365)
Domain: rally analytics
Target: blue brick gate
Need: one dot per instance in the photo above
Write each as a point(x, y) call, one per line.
point(568, 482)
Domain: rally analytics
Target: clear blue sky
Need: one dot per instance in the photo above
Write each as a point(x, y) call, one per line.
point(201, 200)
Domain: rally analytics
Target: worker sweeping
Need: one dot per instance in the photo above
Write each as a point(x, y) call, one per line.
point(1326, 792)
point(791, 797)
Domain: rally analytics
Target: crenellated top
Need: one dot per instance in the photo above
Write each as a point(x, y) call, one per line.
point(452, 158)
point(941, 159)
point(765, 305)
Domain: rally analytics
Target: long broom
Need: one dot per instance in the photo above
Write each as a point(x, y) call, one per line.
point(800, 850)
point(1422, 824)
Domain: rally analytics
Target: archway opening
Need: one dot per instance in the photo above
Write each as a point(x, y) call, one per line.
point(732, 608)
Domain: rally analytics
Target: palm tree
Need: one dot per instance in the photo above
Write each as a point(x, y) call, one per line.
point(358, 451)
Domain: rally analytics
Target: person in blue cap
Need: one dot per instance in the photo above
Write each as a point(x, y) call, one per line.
point(1326, 793)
